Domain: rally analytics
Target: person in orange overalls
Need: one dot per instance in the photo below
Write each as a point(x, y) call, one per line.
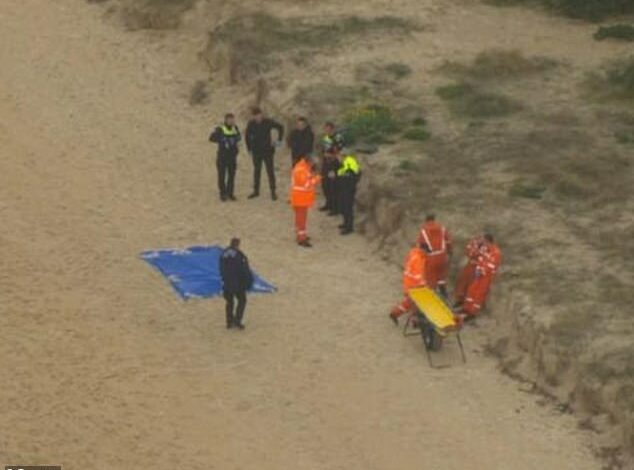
point(413, 276)
point(437, 238)
point(303, 186)
point(472, 252)
point(489, 262)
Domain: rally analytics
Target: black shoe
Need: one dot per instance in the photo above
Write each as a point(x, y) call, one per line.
point(233, 198)
point(229, 326)
point(239, 326)
point(341, 226)
point(253, 195)
point(223, 198)
point(346, 231)
point(324, 208)
point(305, 244)
point(274, 196)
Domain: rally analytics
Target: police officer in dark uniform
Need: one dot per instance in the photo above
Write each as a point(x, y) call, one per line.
point(227, 137)
point(262, 149)
point(348, 176)
point(330, 145)
point(237, 279)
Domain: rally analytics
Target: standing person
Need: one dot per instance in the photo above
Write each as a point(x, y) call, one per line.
point(303, 197)
point(489, 262)
point(413, 276)
point(330, 146)
point(227, 137)
point(437, 238)
point(262, 149)
point(467, 274)
point(301, 140)
point(348, 175)
point(237, 279)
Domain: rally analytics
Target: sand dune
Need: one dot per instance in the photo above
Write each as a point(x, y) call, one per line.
point(104, 367)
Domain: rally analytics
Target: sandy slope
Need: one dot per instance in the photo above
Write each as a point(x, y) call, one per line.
point(103, 366)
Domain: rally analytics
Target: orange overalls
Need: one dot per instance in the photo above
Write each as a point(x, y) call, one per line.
point(437, 238)
point(472, 252)
point(413, 276)
point(488, 264)
point(302, 196)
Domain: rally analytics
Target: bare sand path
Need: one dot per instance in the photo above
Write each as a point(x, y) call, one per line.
point(103, 367)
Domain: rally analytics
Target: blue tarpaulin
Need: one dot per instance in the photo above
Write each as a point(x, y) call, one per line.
point(195, 272)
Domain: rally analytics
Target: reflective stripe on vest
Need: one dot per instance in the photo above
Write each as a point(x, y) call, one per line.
point(229, 131)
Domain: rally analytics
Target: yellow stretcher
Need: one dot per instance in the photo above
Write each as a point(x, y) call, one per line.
point(434, 321)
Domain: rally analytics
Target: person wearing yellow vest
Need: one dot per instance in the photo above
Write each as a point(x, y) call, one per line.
point(303, 183)
point(348, 175)
point(227, 137)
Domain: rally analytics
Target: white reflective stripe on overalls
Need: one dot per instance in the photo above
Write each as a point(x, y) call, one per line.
point(428, 242)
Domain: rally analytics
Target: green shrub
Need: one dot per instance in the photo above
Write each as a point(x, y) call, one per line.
point(417, 133)
point(615, 81)
point(373, 124)
point(624, 32)
point(525, 190)
point(624, 137)
point(466, 100)
point(591, 10)
point(406, 165)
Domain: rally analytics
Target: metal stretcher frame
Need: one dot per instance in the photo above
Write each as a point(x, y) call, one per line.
point(435, 314)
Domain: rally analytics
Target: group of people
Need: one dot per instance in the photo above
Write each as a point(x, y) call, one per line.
point(427, 265)
point(337, 170)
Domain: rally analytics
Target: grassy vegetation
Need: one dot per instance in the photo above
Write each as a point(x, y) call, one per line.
point(419, 134)
point(499, 64)
point(591, 10)
point(466, 100)
point(616, 81)
point(625, 137)
point(257, 42)
point(374, 124)
point(154, 14)
point(522, 189)
point(622, 32)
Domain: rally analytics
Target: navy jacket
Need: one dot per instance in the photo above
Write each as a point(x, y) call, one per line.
point(235, 272)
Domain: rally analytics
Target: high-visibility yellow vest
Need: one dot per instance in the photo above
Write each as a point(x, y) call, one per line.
point(229, 131)
point(349, 164)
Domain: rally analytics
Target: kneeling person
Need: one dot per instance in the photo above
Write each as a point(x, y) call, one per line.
point(413, 277)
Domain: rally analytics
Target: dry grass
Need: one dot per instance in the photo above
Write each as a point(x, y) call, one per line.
point(499, 64)
point(615, 81)
point(466, 100)
point(254, 44)
point(199, 93)
point(154, 14)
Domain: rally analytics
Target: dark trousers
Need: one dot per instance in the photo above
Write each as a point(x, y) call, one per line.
point(230, 298)
point(267, 159)
point(329, 188)
point(226, 166)
point(347, 188)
